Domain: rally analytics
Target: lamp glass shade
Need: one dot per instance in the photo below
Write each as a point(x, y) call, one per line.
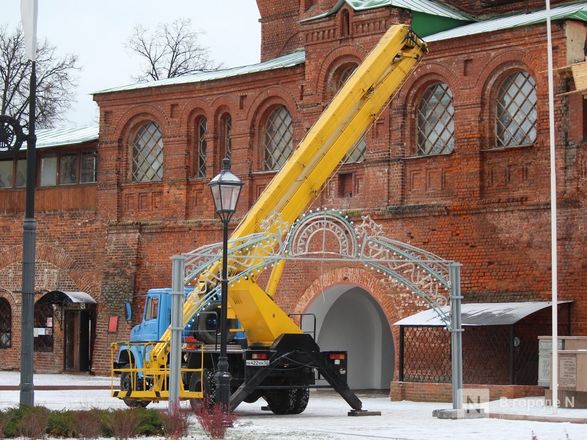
point(226, 188)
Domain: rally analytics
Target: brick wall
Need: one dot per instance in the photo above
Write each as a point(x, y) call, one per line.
point(67, 258)
point(442, 392)
point(279, 27)
point(497, 227)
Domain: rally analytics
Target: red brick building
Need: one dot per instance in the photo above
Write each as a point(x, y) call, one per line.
point(458, 164)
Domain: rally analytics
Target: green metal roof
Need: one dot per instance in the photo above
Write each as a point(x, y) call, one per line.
point(289, 60)
point(569, 12)
point(59, 137)
point(422, 6)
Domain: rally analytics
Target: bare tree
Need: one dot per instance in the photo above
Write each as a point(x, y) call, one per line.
point(171, 50)
point(55, 82)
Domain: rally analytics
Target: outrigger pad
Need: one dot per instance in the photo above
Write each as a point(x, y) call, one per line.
point(362, 413)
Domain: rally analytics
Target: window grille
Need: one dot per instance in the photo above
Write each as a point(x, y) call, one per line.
point(357, 153)
point(278, 138)
point(147, 154)
point(225, 137)
point(516, 116)
point(435, 121)
point(201, 147)
point(5, 324)
point(490, 355)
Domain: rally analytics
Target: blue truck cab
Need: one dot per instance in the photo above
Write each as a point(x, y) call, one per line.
point(156, 319)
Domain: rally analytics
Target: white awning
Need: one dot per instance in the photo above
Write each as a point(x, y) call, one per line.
point(478, 314)
point(59, 297)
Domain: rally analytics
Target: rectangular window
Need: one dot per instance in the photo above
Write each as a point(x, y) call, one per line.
point(6, 170)
point(68, 169)
point(20, 180)
point(345, 185)
point(88, 171)
point(13, 174)
point(49, 171)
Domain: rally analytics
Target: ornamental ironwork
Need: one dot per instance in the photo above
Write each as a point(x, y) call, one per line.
point(324, 235)
point(11, 135)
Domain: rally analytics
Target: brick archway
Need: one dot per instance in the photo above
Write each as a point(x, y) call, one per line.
point(347, 292)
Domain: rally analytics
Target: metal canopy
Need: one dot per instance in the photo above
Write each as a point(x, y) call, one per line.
point(59, 297)
point(480, 314)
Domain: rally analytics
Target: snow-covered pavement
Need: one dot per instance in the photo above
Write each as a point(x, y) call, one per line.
point(326, 416)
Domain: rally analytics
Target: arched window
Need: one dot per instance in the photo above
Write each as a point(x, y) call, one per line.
point(357, 153)
point(5, 324)
point(278, 138)
point(201, 147)
point(515, 111)
point(225, 137)
point(147, 154)
point(435, 121)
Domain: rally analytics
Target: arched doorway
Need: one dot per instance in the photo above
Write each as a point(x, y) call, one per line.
point(348, 318)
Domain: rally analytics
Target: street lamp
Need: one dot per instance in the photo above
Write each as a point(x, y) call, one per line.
point(226, 188)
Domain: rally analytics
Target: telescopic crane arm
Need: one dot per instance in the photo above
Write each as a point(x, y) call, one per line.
point(298, 183)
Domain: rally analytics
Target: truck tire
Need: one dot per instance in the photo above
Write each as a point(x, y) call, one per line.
point(299, 400)
point(209, 390)
point(288, 401)
point(126, 385)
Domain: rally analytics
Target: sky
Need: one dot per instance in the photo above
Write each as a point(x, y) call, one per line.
point(96, 31)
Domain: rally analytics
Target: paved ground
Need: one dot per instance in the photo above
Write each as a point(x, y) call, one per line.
point(326, 415)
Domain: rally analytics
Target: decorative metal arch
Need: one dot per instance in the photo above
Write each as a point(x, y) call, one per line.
point(329, 235)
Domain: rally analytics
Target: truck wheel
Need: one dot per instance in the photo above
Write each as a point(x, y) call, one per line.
point(288, 401)
point(126, 385)
point(209, 390)
point(300, 400)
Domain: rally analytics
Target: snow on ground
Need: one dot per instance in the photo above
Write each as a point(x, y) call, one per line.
point(326, 416)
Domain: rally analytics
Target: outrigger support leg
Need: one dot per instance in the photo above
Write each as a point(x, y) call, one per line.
point(304, 349)
point(343, 389)
point(247, 387)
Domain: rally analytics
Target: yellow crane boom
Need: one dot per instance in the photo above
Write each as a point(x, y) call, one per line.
point(297, 184)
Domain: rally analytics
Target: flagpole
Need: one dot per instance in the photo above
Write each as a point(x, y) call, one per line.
point(553, 216)
point(27, 392)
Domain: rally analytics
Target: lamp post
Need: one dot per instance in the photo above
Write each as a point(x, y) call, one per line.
point(11, 139)
point(226, 188)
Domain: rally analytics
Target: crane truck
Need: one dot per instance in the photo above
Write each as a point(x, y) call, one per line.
point(273, 358)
